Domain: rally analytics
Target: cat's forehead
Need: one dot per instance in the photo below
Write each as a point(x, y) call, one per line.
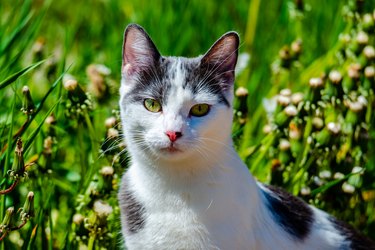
point(178, 79)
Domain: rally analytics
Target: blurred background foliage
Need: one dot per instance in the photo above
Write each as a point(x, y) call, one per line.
point(63, 172)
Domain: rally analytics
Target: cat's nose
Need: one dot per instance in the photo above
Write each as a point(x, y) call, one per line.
point(173, 135)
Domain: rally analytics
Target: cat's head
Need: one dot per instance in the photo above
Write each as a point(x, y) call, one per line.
point(174, 107)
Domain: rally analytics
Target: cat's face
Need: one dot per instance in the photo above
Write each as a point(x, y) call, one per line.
point(175, 107)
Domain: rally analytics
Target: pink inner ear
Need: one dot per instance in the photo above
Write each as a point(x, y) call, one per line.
point(139, 52)
point(224, 52)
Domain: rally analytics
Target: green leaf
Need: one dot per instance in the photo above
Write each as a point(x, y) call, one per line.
point(20, 73)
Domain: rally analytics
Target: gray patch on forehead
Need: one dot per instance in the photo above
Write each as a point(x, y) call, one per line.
point(156, 82)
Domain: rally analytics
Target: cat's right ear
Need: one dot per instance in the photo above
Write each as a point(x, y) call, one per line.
point(138, 51)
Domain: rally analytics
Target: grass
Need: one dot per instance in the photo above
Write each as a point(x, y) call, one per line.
point(71, 154)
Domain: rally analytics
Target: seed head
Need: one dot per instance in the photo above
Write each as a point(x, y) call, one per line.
point(335, 77)
point(51, 120)
point(297, 98)
point(28, 207)
point(362, 38)
point(102, 209)
point(284, 144)
point(297, 46)
point(334, 128)
point(305, 191)
point(18, 167)
point(318, 122)
point(316, 82)
point(347, 188)
point(110, 122)
point(286, 92)
point(353, 70)
point(344, 38)
point(357, 170)
point(291, 110)
point(107, 171)
point(370, 72)
point(325, 174)
point(112, 133)
point(369, 52)
point(283, 100)
point(338, 176)
point(355, 106)
point(5, 225)
point(78, 219)
point(70, 84)
point(28, 106)
point(241, 92)
point(267, 129)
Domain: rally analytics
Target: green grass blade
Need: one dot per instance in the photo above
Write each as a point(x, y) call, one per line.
point(20, 73)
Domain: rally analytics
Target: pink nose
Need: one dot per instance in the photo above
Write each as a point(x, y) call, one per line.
point(173, 135)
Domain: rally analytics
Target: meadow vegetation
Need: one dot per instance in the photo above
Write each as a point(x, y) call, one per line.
point(304, 109)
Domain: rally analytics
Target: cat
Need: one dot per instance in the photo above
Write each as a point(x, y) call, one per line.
point(186, 187)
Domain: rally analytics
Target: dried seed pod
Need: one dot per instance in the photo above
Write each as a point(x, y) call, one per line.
point(7, 221)
point(242, 94)
point(98, 85)
point(369, 52)
point(18, 167)
point(28, 208)
point(28, 106)
point(347, 188)
point(296, 48)
point(362, 38)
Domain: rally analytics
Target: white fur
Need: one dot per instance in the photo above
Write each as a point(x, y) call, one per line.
point(203, 197)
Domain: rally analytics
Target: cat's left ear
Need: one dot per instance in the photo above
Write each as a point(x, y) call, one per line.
point(222, 56)
point(139, 53)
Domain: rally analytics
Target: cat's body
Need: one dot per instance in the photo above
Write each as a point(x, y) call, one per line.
point(186, 187)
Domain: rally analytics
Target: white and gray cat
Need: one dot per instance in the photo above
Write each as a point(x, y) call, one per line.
point(186, 187)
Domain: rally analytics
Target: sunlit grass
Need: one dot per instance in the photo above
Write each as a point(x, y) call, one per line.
point(72, 137)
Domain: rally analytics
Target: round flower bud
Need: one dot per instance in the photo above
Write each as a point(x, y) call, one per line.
point(334, 128)
point(353, 70)
point(369, 72)
point(297, 98)
point(325, 174)
point(110, 122)
point(107, 171)
point(305, 191)
point(286, 92)
point(347, 188)
point(316, 82)
point(284, 144)
point(283, 100)
point(362, 38)
point(241, 92)
point(338, 176)
point(70, 84)
point(102, 209)
point(291, 110)
point(369, 52)
point(335, 77)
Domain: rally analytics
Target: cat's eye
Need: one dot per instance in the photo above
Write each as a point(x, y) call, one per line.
point(200, 109)
point(152, 105)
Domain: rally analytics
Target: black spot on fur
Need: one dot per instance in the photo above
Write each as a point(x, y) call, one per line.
point(132, 210)
point(291, 213)
point(357, 240)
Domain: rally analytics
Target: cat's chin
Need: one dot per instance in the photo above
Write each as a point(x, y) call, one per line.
point(172, 153)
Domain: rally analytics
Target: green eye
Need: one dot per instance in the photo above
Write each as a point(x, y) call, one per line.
point(152, 105)
point(200, 110)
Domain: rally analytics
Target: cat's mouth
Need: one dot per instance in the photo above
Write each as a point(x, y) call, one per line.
point(171, 149)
